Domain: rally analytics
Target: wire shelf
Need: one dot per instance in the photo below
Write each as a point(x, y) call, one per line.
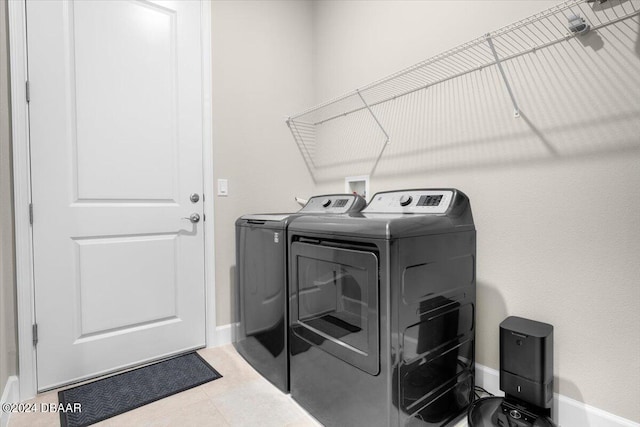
point(528, 35)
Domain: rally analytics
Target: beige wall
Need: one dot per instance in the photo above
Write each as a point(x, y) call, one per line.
point(555, 194)
point(8, 333)
point(555, 197)
point(262, 71)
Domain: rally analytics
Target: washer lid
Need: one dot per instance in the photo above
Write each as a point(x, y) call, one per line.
point(266, 217)
point(323, 204)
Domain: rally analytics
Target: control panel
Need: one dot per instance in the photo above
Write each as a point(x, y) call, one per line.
point(334, 203)
point(411, 201)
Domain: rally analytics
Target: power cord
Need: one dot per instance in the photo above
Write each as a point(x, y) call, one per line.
point(481, 390)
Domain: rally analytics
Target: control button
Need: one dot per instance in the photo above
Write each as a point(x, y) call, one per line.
point(405, 200)
point(515, 414)
point(326, 203)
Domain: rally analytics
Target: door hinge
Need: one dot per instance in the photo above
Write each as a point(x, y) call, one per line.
point(35, 334)
point(31, 213)
point(28, 91)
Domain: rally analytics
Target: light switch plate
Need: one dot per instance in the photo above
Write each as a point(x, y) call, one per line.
point(223, 187)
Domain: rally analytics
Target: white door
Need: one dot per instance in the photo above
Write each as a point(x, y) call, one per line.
point(116, 149)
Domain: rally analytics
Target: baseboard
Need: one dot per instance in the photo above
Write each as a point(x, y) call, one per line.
point(222, 335)
point(11, 394)
point(567, 412)
point(489, 379)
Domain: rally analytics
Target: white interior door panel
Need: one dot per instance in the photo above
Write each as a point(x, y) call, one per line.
point(116, 148)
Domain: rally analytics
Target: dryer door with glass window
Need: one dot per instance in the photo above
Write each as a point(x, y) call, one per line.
point(334, 302)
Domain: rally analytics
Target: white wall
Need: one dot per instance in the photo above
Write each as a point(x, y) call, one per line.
point(262, 71)
point(555, 194)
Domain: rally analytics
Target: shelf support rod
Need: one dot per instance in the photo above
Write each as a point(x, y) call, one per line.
point(516, 109)
point(387, 139)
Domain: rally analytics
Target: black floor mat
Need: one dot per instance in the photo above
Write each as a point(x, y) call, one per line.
point(120, 393)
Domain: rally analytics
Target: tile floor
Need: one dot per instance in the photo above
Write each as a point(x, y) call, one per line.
point(240, 398)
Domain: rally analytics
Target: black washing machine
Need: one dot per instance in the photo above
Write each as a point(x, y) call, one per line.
point(382, 311)
point(260, 332)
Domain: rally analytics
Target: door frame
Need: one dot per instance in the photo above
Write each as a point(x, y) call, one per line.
point(22, 191)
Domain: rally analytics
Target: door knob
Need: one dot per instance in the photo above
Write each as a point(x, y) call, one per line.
point(194, 217)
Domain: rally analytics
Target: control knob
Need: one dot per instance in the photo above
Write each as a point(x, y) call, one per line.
point(405, 200)
point(326, 203)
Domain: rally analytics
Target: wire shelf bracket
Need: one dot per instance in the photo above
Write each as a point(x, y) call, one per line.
point(387, 139)
point(296, 132)
point(516, 109)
